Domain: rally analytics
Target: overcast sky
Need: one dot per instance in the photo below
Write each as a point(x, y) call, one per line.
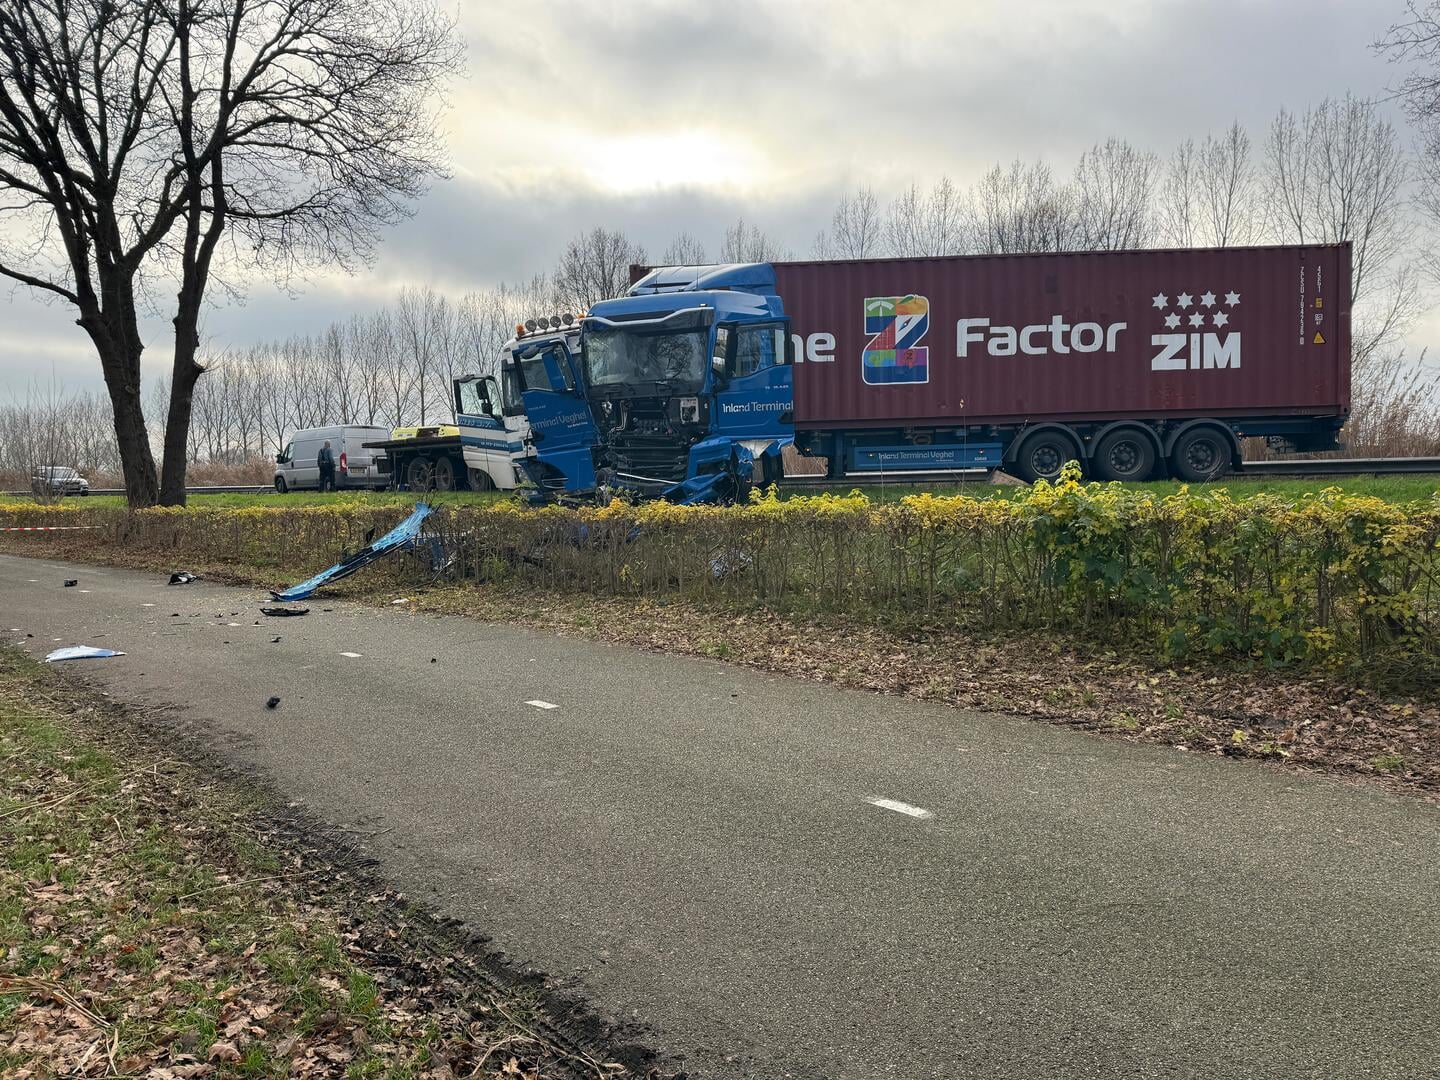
point(654, 117)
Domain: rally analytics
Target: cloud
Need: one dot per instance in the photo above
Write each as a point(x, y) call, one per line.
point(658, 117)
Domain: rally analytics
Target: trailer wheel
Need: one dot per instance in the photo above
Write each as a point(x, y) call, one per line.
point(480, 480)
point(419, 474)
point(1124, 455)
point(1200, 455)
point(444, 474)
point(1043, 455)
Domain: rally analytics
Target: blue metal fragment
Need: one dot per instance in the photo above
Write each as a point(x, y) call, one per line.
point(397, 539)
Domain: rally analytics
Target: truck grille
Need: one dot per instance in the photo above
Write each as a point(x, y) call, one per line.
point(657, 458)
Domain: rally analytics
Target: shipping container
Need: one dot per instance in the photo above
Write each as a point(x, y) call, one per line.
point(925, 343)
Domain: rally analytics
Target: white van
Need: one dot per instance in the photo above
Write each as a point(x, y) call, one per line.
point(296, 467)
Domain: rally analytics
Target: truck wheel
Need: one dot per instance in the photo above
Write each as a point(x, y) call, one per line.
point(1200, 455)
point(1126, 455)
point(419, 474)
point(480, 480)
point(280, 486)
point(444, 474)
point(1043, 455)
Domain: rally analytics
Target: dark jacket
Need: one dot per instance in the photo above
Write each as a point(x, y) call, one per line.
point(326, 459)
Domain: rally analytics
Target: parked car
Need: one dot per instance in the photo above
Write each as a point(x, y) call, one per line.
point(58, 480)
point(355, 466)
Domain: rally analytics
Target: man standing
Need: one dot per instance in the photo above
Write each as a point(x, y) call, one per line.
point(326, 462)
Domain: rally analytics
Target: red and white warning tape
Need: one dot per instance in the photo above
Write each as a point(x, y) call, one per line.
point(46, 528)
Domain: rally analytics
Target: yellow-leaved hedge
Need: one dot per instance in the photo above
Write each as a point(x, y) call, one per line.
point(1329, 578)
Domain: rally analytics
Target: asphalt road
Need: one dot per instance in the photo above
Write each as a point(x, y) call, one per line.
point(694, 847)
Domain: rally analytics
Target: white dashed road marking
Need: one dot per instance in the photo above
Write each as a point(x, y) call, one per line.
point(901, 808)
point(543, 704)
point(352, 655)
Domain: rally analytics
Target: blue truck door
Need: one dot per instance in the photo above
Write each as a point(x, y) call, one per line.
point(756, 398)
point(561, 426)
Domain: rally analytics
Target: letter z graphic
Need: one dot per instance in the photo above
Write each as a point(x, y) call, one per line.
point(893, 354)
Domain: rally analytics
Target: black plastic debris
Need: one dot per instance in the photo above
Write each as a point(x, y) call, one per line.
point(183, 577)
point(273, 703)
point(70, 583)
point(275, 640)
point(281, 612)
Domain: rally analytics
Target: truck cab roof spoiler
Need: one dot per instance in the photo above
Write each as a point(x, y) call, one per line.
point(738, 277)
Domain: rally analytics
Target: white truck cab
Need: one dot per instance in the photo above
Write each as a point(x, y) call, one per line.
point(490, 414)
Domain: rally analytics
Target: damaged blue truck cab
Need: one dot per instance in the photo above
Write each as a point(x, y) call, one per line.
point(682, 390)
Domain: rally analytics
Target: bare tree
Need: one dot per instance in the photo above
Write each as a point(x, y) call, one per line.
point(1178, 198)
point(595, 266)
point(1113, 186)
point(1228, 190)
point(856, 229)
point(1415, 41)
point(1339, 173)
point(135, 136)
point(926, 223)
point(684, 250)
point(746, 243)
point(1020, 208)
point(417, 332)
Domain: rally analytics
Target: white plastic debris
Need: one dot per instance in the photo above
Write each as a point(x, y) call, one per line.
point(80, 652)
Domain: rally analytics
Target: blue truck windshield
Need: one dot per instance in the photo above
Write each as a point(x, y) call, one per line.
point(619, 357)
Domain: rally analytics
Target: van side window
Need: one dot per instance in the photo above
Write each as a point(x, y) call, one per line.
point(285, 455)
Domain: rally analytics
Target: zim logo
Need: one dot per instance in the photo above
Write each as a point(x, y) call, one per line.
point(895, 325)
point(1200, 332)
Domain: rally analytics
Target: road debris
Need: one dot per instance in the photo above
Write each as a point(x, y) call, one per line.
point(397, 539)
point(281, 612)
point(183, 577)
point(80, 652)
point(273, 703)
point(70, 583)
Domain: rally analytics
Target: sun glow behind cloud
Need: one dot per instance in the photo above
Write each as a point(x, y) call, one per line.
point(625, 163)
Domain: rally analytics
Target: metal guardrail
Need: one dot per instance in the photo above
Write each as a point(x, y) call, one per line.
point(1276, 467)
point(199, 489)
point(1341, 466)
point(897, 479)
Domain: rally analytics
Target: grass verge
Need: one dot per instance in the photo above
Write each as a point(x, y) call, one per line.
point(159, 921)
point(1396, 489)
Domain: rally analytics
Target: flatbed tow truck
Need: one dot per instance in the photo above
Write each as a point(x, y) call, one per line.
point(487, 448)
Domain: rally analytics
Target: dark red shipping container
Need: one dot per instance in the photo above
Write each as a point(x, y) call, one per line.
point(1223, 332)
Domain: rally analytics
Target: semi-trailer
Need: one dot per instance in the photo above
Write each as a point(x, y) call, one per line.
point(1135, 364)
